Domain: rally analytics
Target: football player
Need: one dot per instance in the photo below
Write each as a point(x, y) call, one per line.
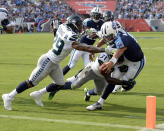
point(55, 22)
point(108, 16)
point(91, 72)
point(49, 64)
point(5, 24)
point(134, 58)
point(92, 24)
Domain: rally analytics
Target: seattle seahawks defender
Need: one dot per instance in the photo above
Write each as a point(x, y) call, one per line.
point(49, 64)
point(134, 58)
point(5, 24)
point(91, 24)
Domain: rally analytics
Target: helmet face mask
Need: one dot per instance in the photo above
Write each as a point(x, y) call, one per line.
point(109, 38)
point(79, 26)
point(96, 14)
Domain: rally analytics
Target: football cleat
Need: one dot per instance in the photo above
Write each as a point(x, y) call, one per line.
point(7, 101)
point(51, 95)
point(37, 96)
point(96, 106)
point(117, 87)
point(87, 96)
point(126, 88)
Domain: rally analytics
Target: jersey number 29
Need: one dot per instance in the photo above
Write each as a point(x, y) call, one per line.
point(58, 45)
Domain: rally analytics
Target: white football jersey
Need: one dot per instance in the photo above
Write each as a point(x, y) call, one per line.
point(102, 58)
point(3, 14)
point(62, 45)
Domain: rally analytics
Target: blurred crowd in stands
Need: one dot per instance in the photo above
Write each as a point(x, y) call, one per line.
point(37, 9)
point(139, 9)
point(40, 10)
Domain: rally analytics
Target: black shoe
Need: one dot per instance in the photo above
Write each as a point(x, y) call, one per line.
point(87, 97)
point(51, 95)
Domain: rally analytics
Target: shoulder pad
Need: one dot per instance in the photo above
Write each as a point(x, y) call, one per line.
point(86, 21)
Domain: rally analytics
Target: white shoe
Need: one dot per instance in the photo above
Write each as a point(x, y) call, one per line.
point(71, 79)
point(117, 87)
point(7, 101)
point(37, 96)
point(96, 106)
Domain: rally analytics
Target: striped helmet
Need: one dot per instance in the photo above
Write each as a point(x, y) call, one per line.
point(96, 14)
point(108, 29)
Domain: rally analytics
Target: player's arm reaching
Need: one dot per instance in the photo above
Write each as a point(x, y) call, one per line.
point(90, 48)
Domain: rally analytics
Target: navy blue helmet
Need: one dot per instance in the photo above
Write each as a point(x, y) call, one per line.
point(75, 23)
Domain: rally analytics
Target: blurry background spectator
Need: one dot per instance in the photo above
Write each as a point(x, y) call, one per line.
point(139, 9)
point(40, 11)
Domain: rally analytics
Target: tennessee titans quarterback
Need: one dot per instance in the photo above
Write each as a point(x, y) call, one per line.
point(127, 46)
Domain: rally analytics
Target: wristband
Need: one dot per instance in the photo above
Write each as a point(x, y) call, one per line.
point(114, 60)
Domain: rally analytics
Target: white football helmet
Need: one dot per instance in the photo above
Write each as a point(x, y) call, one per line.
point(3, 13)
point(109, 30)
point(96, 14)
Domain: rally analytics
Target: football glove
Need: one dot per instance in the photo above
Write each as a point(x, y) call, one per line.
point(109, 50)
point(129, 85)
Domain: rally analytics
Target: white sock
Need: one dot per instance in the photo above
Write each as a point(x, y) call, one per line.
point(101, 101)
point(13, 93)
point(43, 91)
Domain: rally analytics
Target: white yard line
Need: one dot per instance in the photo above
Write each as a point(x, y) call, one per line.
point(70, 121)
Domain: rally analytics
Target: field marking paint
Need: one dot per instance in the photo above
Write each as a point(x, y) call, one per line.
point(159, 127)
point(70, 121)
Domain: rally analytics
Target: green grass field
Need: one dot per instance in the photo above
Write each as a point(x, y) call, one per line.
point(66, 112)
